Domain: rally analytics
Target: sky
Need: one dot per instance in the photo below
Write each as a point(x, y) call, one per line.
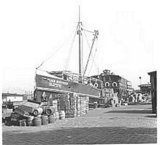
point(34, 31)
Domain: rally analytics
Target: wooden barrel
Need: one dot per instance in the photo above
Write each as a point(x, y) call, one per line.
point(30, 121)
point(7, 121)
point(22, 122)
point(61, 115)
point(56, 115)
point(51, 118)
point(37, 121)
point(37, 111)
point(39, 116)
point(14, 123)
point(44, 119)
point(49, 110)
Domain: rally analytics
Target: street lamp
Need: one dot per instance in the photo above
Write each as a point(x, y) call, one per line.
point(140, 79)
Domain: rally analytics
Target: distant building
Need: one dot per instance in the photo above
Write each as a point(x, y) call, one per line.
point(120, 85)
point(145, 88)
point(129, 88)
point(153, 80)
point(6, 97)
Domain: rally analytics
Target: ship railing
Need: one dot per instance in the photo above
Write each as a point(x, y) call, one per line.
point(74, 77)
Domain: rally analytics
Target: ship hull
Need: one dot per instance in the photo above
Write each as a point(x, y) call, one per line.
point(58, 85)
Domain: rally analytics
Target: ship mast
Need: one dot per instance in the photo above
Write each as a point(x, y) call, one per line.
point(79, 33)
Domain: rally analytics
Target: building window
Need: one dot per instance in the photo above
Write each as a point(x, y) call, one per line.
point(114, 84)
point(107, 84)
point(96, 85)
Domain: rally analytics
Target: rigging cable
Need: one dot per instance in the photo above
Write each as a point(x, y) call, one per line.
point(86, 40)
point(70, 50)
point(88, 31)
point(54, 53)
point(82, 51)
point(90, 54)
point(93, 62)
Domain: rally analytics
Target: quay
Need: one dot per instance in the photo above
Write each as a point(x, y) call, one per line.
point(132, 124)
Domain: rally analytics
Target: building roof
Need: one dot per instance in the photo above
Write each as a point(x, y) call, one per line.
point(11, 94)
point(152, 73)
point(145, 85)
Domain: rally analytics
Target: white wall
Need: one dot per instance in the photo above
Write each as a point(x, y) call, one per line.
point(14, 98)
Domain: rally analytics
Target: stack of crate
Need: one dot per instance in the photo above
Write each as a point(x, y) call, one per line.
point(62, 105)
point(83, 105)
point(67, 106)
point(78, 102)
point(73, 104)
point(54, 104)
point(70, 103)
point(87, 104)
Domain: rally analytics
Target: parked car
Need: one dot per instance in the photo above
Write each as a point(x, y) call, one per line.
point(124, 103)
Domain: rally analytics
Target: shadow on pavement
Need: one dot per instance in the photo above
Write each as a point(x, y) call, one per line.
point(131, 111)
point(151, 116)
point(93, 135)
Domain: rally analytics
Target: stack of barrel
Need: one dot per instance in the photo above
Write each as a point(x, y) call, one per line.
point(44, 119)
point(67, 106)
point(37, 121)
point(48, 117)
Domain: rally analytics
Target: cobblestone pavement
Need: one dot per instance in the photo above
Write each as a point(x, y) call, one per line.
point(121, 125)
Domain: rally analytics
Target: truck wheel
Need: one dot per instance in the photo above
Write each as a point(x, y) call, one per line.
point(48, 111)
point(35, 113)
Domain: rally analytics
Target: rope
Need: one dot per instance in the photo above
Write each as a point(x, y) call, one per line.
point(93, 62)
point(70, 50)
point(88, 31)
point(90, 53)
point(82, 53)
point(86, 39)
point(54, 53)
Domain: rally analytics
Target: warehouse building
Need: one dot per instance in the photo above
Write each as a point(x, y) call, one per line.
point(114, 84)
point(145, 88)
point(153, 80)
point(10, 97)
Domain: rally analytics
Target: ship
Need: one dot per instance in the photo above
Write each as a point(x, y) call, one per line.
point(61, 92)
point(63, 85)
